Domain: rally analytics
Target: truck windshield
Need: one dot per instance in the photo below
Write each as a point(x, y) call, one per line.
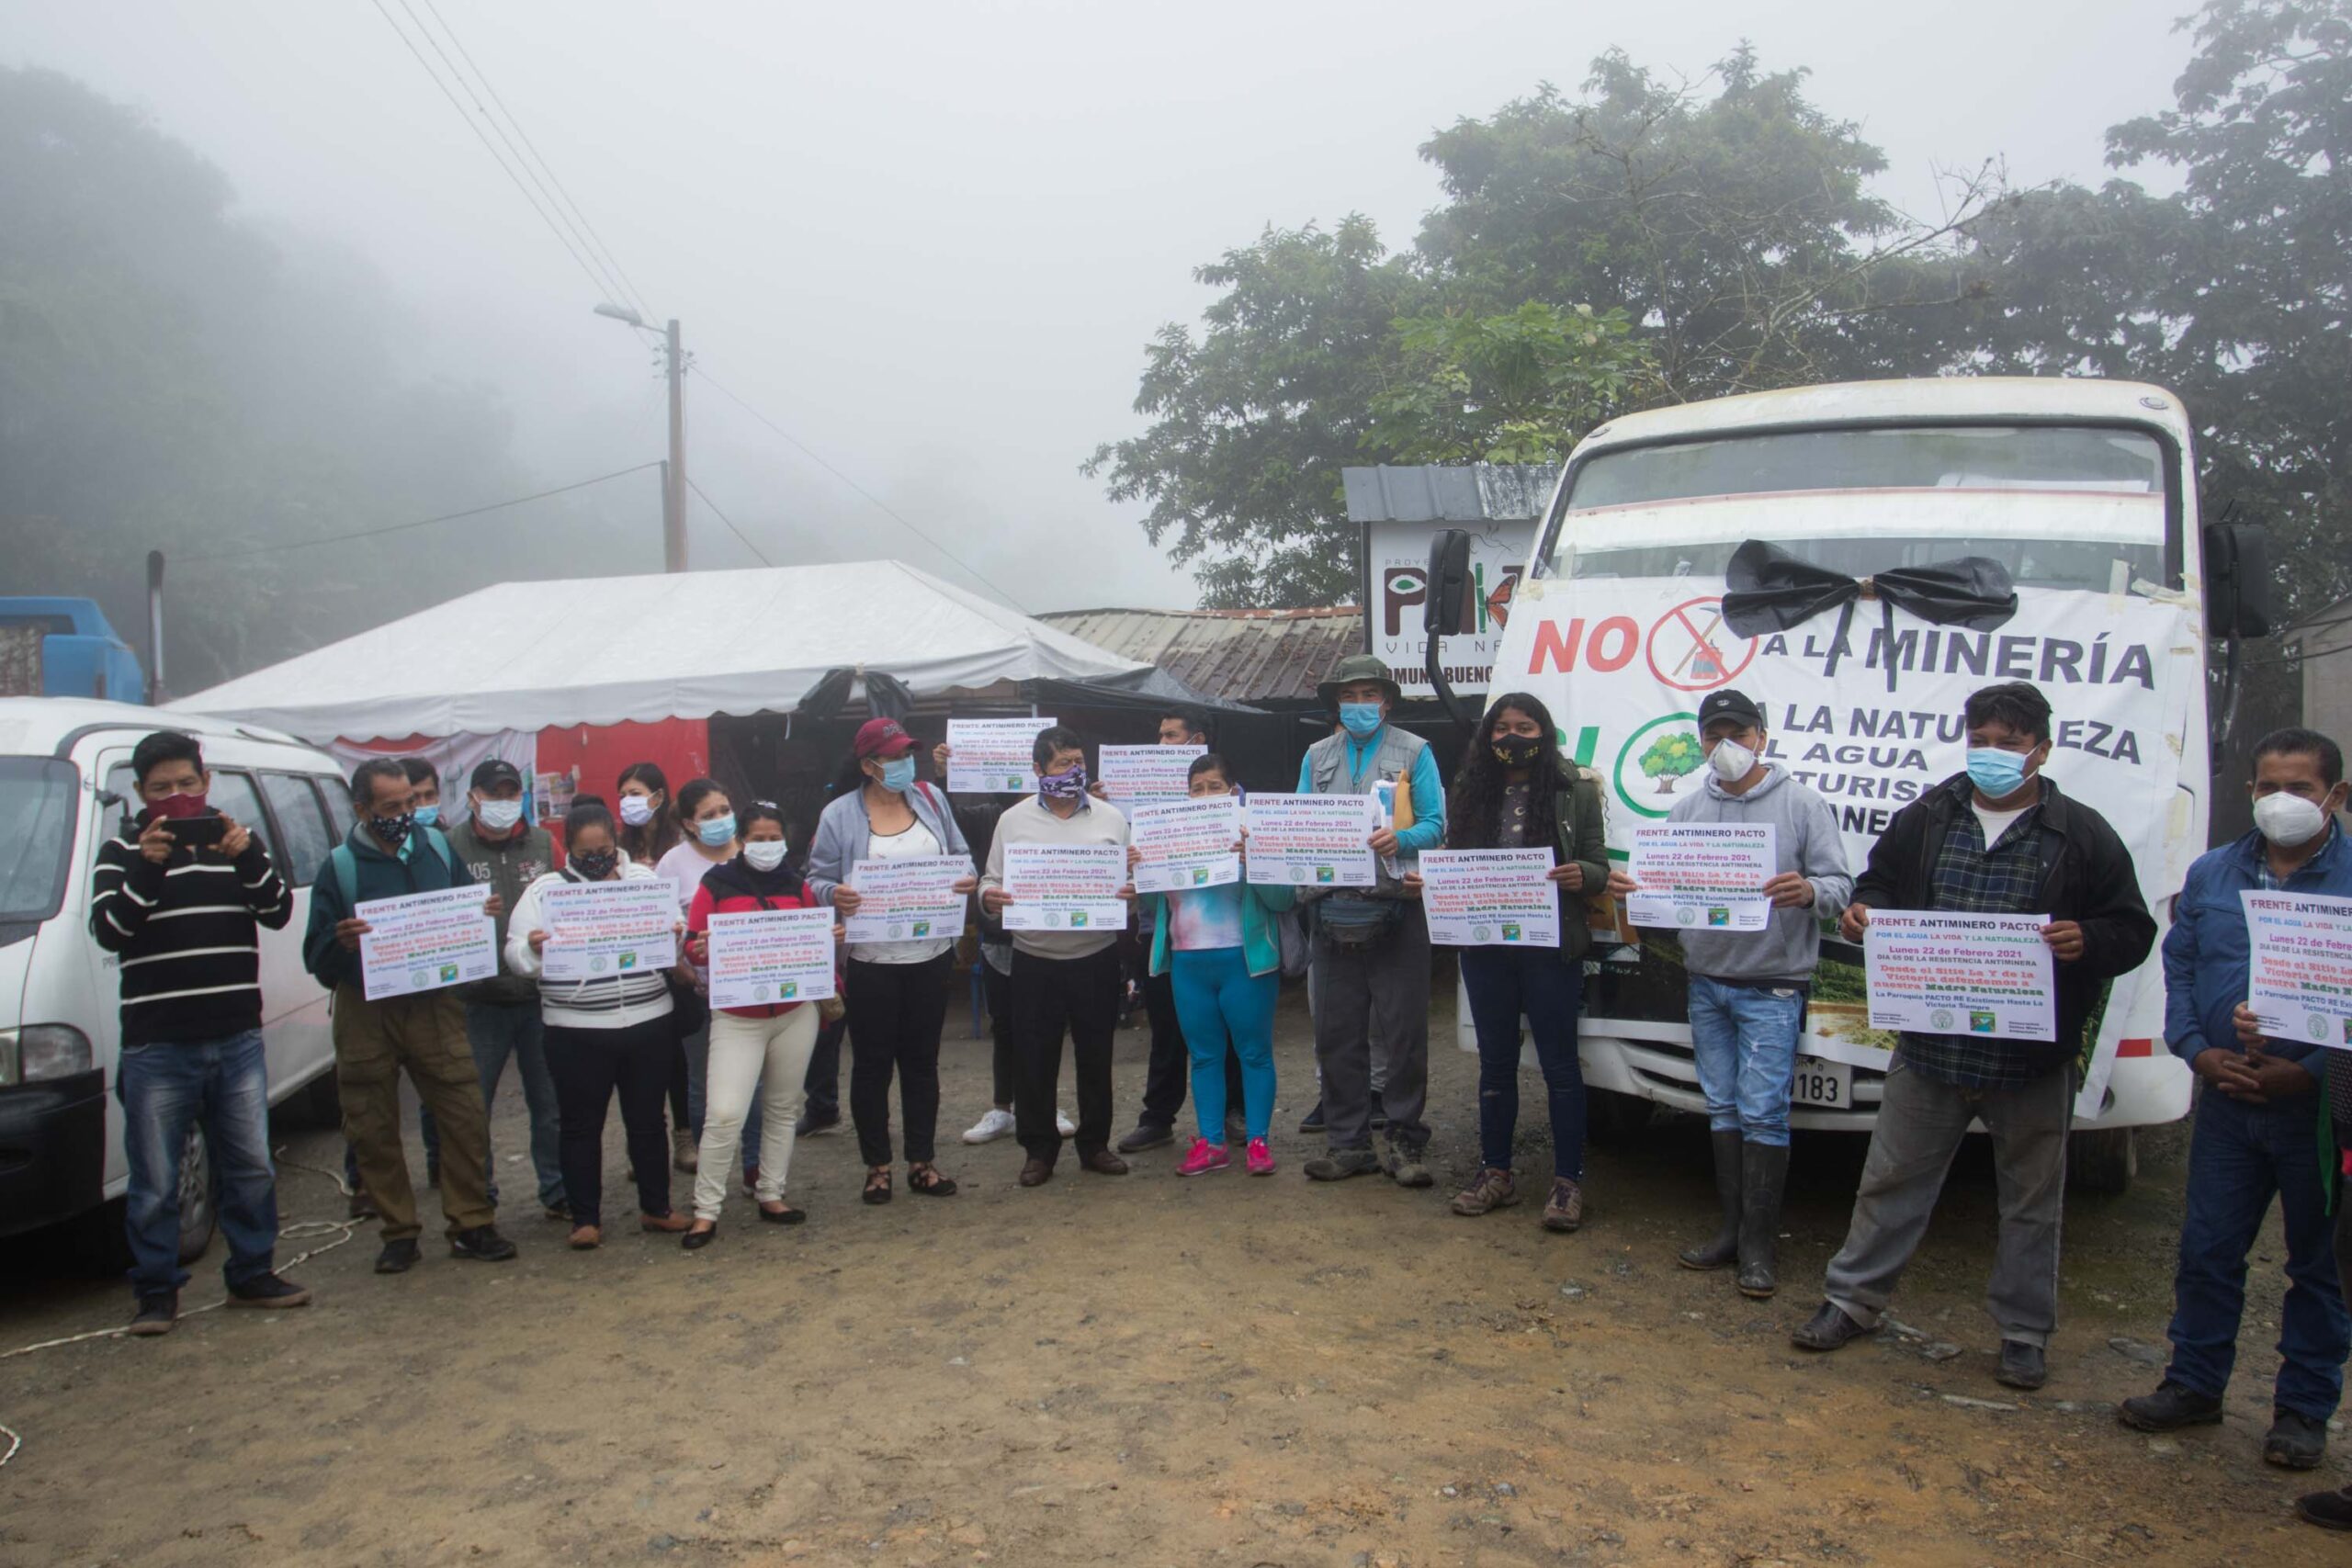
point(38, 795)
point(2060, 506)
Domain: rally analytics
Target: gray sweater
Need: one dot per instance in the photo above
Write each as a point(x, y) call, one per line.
point(1810, 844)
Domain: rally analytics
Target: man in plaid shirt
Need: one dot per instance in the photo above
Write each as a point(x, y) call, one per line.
point(1998, 838)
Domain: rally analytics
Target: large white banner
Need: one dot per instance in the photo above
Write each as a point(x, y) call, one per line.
point(1623, 663)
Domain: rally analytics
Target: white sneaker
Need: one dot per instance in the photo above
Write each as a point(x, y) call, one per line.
point(989, 1128)
point(1064, 1125)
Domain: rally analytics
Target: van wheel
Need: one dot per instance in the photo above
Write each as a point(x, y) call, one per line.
point(2102, 1161)
point(1613, 1119)
point(199, 1214)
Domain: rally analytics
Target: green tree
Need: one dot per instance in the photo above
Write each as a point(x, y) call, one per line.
point(1671, 757)
point(1519, 387)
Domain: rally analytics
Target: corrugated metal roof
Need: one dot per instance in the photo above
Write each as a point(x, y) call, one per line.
point(1467, 493)
point(1250, 656)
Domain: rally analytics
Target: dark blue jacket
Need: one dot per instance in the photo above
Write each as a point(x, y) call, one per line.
point(429, 866)
point(2208, 952)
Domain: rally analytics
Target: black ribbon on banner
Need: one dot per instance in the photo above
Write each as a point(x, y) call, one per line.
point(1768, 590)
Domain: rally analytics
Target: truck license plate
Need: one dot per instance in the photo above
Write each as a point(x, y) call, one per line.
point(1828, 1086)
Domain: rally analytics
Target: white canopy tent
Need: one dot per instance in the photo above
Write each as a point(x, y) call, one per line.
point(525, 656)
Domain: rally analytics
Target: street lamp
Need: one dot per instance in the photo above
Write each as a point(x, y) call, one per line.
point(674, 472)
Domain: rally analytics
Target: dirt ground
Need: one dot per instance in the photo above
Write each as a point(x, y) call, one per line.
point(1148, 1371)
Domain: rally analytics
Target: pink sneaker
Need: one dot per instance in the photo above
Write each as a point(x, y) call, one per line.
point(1262, 1158)
point(1205, 1156)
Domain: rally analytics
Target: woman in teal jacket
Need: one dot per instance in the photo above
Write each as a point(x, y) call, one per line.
point(1220, 946)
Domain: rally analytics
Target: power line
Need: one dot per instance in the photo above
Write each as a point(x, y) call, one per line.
point(600, 284)
point(423, 522)
point(730, 522)
point(588, 235)
point(969, 570)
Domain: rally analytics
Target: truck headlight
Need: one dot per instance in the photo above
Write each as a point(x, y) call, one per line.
point(44, 1051)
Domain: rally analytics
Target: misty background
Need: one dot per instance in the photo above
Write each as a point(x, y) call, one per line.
point(931, 242)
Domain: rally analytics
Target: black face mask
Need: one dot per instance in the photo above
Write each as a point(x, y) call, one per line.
point(1518, 750)
point(596, 864)
point(392, 830)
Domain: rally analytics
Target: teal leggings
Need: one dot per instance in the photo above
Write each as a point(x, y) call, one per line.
point(1218, 999)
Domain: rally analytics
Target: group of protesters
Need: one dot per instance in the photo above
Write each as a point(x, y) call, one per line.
point(742, 1083)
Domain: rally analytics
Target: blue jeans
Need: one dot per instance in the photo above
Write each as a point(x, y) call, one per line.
point(1744, 1039)
point(1505, 983)
point(496, 1031)
point(222, 1084)
point(1218, 1000)
point(2239, 1158)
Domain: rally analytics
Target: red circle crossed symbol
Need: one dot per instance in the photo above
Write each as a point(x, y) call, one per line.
point(1686, 648)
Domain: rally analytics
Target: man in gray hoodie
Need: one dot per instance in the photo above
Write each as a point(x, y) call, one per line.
point(1748, 988)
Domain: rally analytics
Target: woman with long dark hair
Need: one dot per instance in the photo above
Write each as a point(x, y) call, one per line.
point(1517, 791)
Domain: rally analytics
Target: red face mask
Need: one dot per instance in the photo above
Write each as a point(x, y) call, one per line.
point(179, 808)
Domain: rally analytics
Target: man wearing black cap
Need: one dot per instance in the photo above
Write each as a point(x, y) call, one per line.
point(499, 845)
point(1748, 988)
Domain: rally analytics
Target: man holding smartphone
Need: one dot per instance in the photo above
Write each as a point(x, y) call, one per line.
point(179, 895)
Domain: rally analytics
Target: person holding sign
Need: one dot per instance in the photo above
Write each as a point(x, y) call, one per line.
point(1218, 946)
point(184, 915)
point(1748, 989)
point(1371, 949)
point(606, 1034)
point(1515, 791)
point(758, 1049)
point(388, 855)
point(2253, 1138)
point(1062, 980)
point(896, 990)
point(1998, 838)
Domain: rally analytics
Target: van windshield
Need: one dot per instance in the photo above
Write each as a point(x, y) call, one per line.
point(38, 795)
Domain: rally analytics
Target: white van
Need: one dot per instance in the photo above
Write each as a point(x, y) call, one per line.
point(64, 785)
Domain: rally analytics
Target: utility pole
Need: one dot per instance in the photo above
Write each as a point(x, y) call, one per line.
point(673, 488)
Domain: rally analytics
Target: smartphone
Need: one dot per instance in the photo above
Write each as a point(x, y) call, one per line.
point(197, 832)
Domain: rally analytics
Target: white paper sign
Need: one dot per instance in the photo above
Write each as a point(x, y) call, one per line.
point(908, 900)
point(1490, 897)
point(2301, 965)
point(1148, 773)
point(599, 929)
point(1702, 875)
point(1312, 841)
point(993, 756)
point(1065, 888)
point(1942, 973)
point(423, 942)
point(767, 957)
point(1186, 843)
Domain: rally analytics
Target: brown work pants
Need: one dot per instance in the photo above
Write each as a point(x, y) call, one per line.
point(426, 1035)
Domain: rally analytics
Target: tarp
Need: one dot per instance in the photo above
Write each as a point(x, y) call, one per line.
point(689, 645)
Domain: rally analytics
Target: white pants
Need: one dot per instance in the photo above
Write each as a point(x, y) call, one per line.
point(745, 1052)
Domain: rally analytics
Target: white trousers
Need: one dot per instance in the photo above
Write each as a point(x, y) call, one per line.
point(746, 1052)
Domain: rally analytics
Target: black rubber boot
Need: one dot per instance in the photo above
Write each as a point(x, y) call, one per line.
point(1725, 1248)
point(1764, 1170)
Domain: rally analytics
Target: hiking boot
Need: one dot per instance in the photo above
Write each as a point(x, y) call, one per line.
point(2022, 1365)
point(685, 1154)
point(1564, 1210)
point(1341, 1164)
point(1205, 1158)
point(268, 1290)
point(2296, 1441)
point(1724, 1249)
point(398, 1256)
point(483, 1244)
point(158, 1309)
point(2169, 1409)
point(1763, 1169)
point(1261, 1159)
point(1828, 1329)
point(2328, 1510)
point(1146, 1136)
point(1405, 1165)
point(1313, 1121)
point(1493, 1190)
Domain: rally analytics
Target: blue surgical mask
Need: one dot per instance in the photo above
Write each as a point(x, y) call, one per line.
point(1362, 720)
point(1997, 774)
point(427, 815)
point(717, 831)
point(898, 774)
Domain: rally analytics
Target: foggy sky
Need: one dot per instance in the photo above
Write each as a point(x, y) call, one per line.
point(932, 239)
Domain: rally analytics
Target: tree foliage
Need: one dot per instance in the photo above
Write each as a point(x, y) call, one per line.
point(1516, 387)
point(1672, 756)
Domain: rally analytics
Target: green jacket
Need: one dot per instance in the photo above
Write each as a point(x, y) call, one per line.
point(1583, 841)
point(1261, 948)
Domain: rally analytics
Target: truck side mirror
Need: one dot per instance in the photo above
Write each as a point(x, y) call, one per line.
point(1449, 610)
point(2237, 579)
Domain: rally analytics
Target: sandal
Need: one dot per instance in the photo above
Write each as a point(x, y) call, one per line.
point(877, 1184)
point(586, 1238)
point(925, 1179)
point(784, 1214)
